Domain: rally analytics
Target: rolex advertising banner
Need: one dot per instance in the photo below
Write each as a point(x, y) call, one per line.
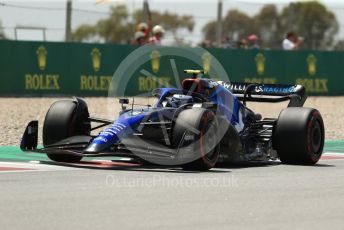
point(36, 68)
point(52, 68)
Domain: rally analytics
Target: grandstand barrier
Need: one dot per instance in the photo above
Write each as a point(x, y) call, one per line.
point(59, 69)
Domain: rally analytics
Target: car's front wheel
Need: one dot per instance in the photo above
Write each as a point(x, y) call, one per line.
point(195, 133)
point(65, 118)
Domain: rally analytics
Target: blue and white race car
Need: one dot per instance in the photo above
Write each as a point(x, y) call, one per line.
point(195, 127)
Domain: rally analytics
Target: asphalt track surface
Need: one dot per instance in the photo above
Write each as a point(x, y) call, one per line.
point(38, 194)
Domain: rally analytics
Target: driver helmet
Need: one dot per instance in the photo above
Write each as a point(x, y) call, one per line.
point(178, 100)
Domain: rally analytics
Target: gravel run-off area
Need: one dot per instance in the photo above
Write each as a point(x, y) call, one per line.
point(17, 112)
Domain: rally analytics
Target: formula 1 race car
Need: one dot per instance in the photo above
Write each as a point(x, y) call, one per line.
point(195, 127)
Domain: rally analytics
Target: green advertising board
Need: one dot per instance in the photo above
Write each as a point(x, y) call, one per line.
point(52, 68)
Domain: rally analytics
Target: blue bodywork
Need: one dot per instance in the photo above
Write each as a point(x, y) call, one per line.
point(161, 132)
point(128, 122)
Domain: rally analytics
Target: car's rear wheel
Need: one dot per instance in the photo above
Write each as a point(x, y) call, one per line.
point(65, 118)
point(299, 136)
point(195, 134)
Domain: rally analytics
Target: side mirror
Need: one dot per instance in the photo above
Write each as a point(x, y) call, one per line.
point(123, 101)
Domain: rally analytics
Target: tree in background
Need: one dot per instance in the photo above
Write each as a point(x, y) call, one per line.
point(115, 29)
point(339, 45)
point(235, 24)
point(267, 26)
point(84, 33)
point(120, 26)
point(2, 34)
point(311, 20)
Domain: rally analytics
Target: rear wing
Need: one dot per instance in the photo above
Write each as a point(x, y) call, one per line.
point(296, 94)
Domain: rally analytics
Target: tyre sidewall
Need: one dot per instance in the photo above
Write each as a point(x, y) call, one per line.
point(200, 119)
point(64, 119)
point(293, 137)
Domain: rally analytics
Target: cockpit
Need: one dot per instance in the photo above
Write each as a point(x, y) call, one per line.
point(178, 100)
point(202, 86)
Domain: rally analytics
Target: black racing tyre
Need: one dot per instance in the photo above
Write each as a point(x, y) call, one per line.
point(202, 125)
point(64, 119)
point(299, 135)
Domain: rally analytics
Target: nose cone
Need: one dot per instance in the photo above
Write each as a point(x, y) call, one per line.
point(122, 128)
point(94, 148)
